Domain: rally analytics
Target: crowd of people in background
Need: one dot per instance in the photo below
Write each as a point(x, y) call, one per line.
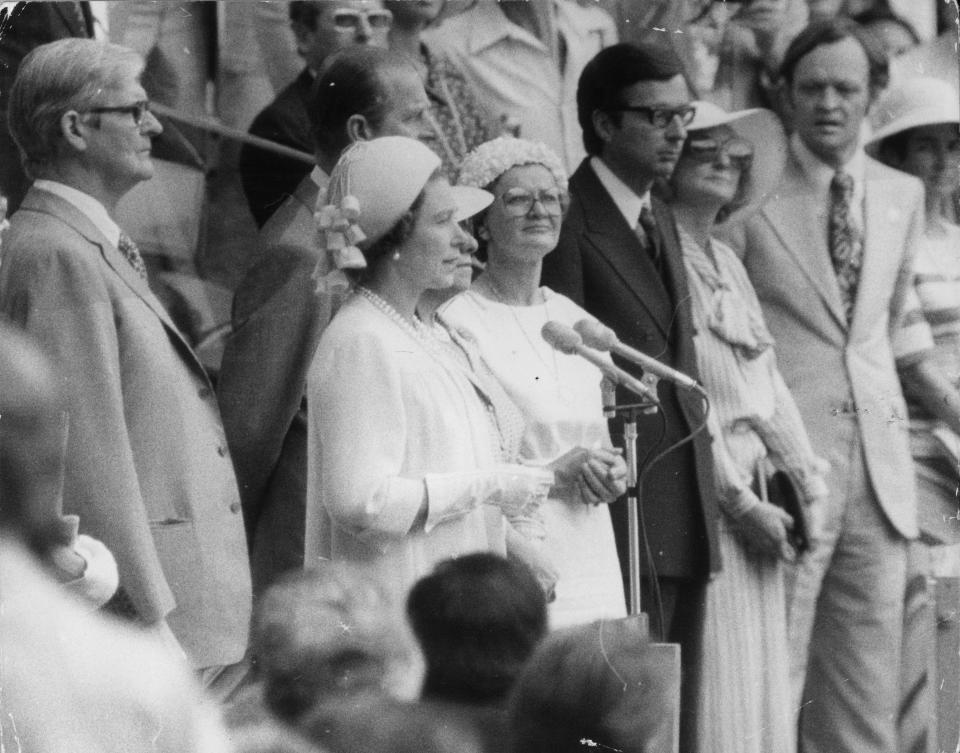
point(388, 375)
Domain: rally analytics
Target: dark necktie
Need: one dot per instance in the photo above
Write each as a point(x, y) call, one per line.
point(648, 238)
point(846, 245)
point(129, 249)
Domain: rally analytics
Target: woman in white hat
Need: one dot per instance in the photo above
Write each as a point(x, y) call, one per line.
point(917, 130)
point(559, 394)
point(729, 162)
point(406, 444)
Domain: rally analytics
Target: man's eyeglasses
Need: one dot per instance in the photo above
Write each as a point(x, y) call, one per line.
point(349, 20)
point(661, 117)
point(138, 110)
point(738, 151)
point(519, 203)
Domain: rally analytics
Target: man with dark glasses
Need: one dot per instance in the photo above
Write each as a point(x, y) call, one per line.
point(619, 258)
point(321, 28)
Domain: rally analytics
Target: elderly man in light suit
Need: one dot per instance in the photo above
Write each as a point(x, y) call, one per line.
point(147, 468)
point(830, 256)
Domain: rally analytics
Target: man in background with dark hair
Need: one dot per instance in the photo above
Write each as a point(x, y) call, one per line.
point(278, 315)
point(321, 28)
point(830, 256)
point(619, 257)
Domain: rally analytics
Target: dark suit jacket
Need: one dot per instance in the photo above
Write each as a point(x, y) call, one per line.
point(277, 321)
point(268, 178)
point(146, 467)
point(600, 264)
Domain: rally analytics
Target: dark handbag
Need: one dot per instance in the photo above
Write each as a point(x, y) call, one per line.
point(782, 493)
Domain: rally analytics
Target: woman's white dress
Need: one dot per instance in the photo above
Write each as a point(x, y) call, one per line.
point(745, 692)
point(389, 418)
point(560, 398)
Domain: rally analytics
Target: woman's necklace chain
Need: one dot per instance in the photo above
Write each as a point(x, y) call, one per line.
point(535, 346)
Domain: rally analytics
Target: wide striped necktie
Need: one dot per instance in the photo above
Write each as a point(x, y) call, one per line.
point(846, 243)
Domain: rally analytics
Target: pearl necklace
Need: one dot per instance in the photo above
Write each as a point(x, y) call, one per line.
point(415, 329)
point(432, 343)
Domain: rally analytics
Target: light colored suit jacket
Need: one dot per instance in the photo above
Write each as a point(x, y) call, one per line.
point(832, 368)
point(277, 322)
point(147, 468)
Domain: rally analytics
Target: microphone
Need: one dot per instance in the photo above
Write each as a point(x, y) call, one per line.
point(601, 337)
point(563, 338)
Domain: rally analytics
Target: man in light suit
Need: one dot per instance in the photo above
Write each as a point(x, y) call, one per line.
point(830, 256)
point(627, 270)
point(278, 316)
point(147, 468)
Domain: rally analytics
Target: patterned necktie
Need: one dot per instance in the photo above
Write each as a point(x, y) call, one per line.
point(846, 245)
point(648, 236)
point(129, 249)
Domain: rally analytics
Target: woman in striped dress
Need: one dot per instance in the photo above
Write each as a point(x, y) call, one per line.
point(728, 161)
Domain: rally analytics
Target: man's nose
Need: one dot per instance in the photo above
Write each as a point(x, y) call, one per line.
point(676, 129)
point(364, 30)
point(150, 125)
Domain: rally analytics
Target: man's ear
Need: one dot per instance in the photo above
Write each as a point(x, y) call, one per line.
point(358, 128)
point(302, 36)
point(74, 130)
point(603, 124)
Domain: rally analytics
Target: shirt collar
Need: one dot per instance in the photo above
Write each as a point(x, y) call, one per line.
point(819, 173)
point(624, 197)
point(489, 26)
point(92, 209)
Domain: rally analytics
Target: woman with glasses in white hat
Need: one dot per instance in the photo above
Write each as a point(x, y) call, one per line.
point(916, 130)
point(407, 442)
point(559, 394)
point(763, 458)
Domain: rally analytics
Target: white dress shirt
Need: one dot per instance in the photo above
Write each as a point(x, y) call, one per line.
point(516, 74)
point(819, 174)
point(624, 197)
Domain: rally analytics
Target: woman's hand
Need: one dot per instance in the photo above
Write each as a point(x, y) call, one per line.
point(596, 475)
point(603, 477)
point(763, 530)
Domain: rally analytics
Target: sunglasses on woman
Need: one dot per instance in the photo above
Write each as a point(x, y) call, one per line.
point(705, 149)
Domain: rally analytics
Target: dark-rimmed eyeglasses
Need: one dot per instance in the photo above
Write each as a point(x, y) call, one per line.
point(518, 202)
point(138, 110)
point(660, 117)
point(349, 20)
point(738, 151)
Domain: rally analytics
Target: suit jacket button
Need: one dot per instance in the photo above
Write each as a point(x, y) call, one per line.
point(234, 507)
point(222, 451)
point(205, 392)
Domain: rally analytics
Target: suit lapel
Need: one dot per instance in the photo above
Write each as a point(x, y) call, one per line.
point(681, 316)
point(881, 218)
point(614, 240)
point(42, 201)
point(799, 218)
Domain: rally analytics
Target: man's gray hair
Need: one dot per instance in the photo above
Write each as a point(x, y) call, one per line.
point(69, 74)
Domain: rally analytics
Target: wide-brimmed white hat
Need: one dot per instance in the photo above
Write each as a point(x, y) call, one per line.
point(918, 101)
point(762, 128)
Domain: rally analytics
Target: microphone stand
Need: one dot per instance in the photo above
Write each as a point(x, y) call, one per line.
point(630, 413)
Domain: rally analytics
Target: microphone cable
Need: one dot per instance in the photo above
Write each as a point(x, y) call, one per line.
point(641, 475)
